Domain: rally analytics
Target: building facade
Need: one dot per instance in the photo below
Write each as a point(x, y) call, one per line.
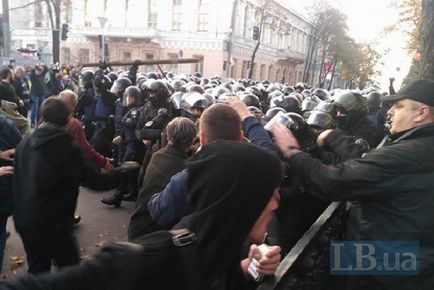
point(218, 32)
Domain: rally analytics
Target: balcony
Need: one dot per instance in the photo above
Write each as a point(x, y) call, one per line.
point(291, 55)
point(118, 32)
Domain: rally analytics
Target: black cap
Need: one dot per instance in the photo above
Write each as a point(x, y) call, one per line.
point(421, 91)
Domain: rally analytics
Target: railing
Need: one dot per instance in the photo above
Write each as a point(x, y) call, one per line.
point(307, 264)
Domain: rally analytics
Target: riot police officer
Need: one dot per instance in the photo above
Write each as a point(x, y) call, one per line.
point(87, 101)
point(134, 149)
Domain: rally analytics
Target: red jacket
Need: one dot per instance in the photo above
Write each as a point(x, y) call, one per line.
point(75, 129)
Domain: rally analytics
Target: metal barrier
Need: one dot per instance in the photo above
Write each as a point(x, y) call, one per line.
point(307, 264)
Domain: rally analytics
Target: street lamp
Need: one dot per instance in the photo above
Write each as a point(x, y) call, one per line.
point(102, 21)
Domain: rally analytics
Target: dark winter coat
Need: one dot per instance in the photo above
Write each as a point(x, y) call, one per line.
point(392, 189)
point(9, 138)
point(220, 225)
point(39, 87)
point(163, 165)
point(49, 168)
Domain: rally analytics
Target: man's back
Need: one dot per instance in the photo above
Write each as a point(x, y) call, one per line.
point(47, 167)
point(164, 164)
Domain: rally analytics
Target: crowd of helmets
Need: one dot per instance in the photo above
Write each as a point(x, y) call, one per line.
point(299, 106)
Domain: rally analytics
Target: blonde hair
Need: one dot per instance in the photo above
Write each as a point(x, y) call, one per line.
point(69, 98)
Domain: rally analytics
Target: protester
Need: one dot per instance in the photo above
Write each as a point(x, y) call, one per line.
point(38, 91)
point(165, 163)
point(203, 251)
point(391, 187)
point(9, 138)
point(49, 169)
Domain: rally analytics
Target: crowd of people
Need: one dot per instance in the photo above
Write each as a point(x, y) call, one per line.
point(215, 167)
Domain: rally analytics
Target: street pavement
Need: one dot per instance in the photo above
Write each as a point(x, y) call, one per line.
point(99, 225)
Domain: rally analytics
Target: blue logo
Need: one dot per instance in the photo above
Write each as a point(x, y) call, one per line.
point(399, 258)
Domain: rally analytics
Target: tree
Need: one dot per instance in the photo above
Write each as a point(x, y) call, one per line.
point(427, 40)
point(417, 22)
point(53, 7)
point(270, 16)
point(332, 29)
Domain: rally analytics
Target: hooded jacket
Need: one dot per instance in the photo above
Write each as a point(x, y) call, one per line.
point(227, 201)
point(49, 168)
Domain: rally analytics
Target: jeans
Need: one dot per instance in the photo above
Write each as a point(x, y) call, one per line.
point(36, 103)
point(3, 221)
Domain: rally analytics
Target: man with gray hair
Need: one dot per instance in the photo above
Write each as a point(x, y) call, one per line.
point(165, 163)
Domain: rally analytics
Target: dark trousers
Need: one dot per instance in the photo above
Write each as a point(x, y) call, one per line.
point(42, 250)
point(3, 221)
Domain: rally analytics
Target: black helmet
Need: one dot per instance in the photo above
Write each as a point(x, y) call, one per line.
point(152, 75)
point(158, 92)
point(120, 85)
point(306, 93)
point(239, 88)
point(350, 101)
point(272, 88)
point(86, 78)
point(350, 108)
point(326, 107)
point(320, 120)
point(178, 85)
point(300, 87)
point(272, 112)
point(140, 80)
point(287, 90)
point(170, 75)
point(176, 99)
point(256, 112)
point(297, 95)
point(218, 91)
point(195, 88)
point(194, 100)
point(197, 74)
point(323, 94)
point(289, 103)
point(374, 100)
point(102, 83)
point(255, 91)
point(275, 94)
point(298, 125)
point(132, 91)
point(112, 76)
point(250, 100)
point(308, 105)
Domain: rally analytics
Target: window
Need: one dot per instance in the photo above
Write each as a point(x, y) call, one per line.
point(198, 67)
point(38, 14)
point(203, 15)
point(66, 55)
point(177, 15)
point(84, 55)
point(126, 56)
point(149, 56)
point(67, 8)
point(262, 76)
point(152, 14)
point(246, 22)
point(173, 67)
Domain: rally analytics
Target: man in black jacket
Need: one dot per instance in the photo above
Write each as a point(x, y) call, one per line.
point(38, 91)
point(49, 169)
point(391, 188)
